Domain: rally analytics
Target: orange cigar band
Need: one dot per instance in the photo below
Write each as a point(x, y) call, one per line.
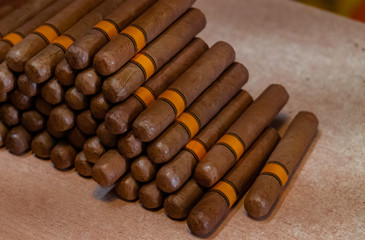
point(234, 143)
point(175, 99)
point(197, 148)
point(48, 32)
point(190, 122)
point(137, 35)
point(276, 170)
point(13, 38)
point(145, 96)
point(146, 63)
point(227, 190)
point(64, 41)
point(107, 27)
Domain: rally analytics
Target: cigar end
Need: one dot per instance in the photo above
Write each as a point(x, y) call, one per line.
point(14, 61)
point(100, 176)
point(37, 73)
point(115, 124)
point(77, 57)
point(104, 63)
point(256, 206)
point(7, 79)
point(206, 174)
point(112, 90)
point(167, 180)
point(158, 152)
point(173, 208)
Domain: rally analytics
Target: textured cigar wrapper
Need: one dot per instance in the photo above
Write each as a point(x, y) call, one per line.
point(13, 38)
point(145, 95)
point(137, 35)
point(234, 143)
point(64, 41)
point(146, 63)
point(278, 171)
point(227, 190)
point(197, 148)
point(47, 32)
point(190, 122)
point(175, 99)
point(108, 28)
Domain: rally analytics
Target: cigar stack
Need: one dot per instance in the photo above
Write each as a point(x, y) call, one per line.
point(123, 91)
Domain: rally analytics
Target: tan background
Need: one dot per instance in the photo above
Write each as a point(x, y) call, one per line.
point(317, 56)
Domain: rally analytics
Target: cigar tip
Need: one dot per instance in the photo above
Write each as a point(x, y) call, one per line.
point(167, 180)
point(35, 72)
point(172, 205)
point(112, 90)
point(77, 57)
point(99, 175)
point(206, 174)
point(310, 116)
point(7, 79)
point(198, 223)
point(256, 206)
point(14, 61)
point(104, 63)
point(158, 151)
point(115, 124)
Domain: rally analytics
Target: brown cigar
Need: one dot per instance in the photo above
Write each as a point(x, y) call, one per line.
point(179, 204)
point(170, 104)
point(5, 10)
point(88, 82)
point(143, 169)
point(61, 118)
point(120, 118)
point(18, 140)
point(27, 87)
point(77, 138)
point(138, 34)
point(142, 67)
point(52, 92)
point(3, 133)
point(33, 121)
point(82, 166)
point(175, 173)
point(280, 166)
point(42, 106)
point(65, 74)
point(240, 135)
point(99, 106)
point(215, 204)
point(20, 101)
point(47, 33)
point(87, 123)
point(150, 196)
point(110, 167)
point(127, 188)
point(130, 146)
point(81, 53)
point(63, 155)
point(188, 124)
point(75, 99)
point(3, 97)
point(8, 78)
point(93, 149)
point(9, 115)
point(54, 133)
point(106, 138)
point(42, 145)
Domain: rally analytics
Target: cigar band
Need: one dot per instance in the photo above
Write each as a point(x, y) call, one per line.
point(146, 63)
point(276, 170)
point(190, 122)
point(108, 28)
point(64, 41)
point(13, 38)
point(234, 143)
point(47, 32)
point(227, 190)
point(137, 35)
point(197, 148)
point(145, 95)
point(175, 99)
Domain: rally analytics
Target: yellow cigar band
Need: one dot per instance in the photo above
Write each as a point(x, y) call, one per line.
point(234, 143)
point(64, 41)
point(13, 38)
point(175, 99)
point(276, 170)
point(137, 35)
point(227, 190)
point(190, 122)
point(146, 63)
point(107, 27)
point(145, 96)
point(197, 148)
point(48, 32)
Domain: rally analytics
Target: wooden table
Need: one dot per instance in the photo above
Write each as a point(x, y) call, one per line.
point(319, 57)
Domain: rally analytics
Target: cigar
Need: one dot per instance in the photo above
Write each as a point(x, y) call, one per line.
point(77, 138)
point(281, 164)
point(138, 34)
point(18, 140)
point(171, 103)
point(8, 78)
point(20, 101)
point(87, 123)
point(63, 155)
point(88, 82)
point(27, 87)
point(52, 92)
point(110, 167)
point(130, 146)
point(150, 196)
point(54, 133)
point(47, 33)
point(143, 169)
point(42, 66)
point(144, 65)
point(240, 135)
point(3, 133)
point(178, 205)
point(189, 123)
point(3, 97)
point(93, 149)
point(75, 99)
point(65, 74)
point(120, 118)
point(42, 145)
point(99, 107)
point(10, 116)
point(42, 106)
point(61, 118)
point(127, 188)
point(33, 121)
point(175, 173)
point(81, 53)
point(106, 138)
point(215, 204)
point(82, 166)
point(5, 9)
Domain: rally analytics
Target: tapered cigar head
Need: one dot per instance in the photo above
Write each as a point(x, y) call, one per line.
point(18, 140)
point(110, 167)
point(75, 99)
point(3, 97)
point(42, 145)
point(106, 138)
point(88, 82)
point(20, 101)
point(99, 107)
point(127, 188)
point(7, 78)
point(82, 166)
point(65, 74)
point(61, 118)
point(63, 155)
point(53, 92)
point(42, 106)
point(93, 149)
point(77, 138)
point(33, 121)
point(130, 146)
point(54, 133)
point(3, 133)
point(27, 87)
point(150, 196)
point(9, 115)
point(87, 123)
point(143, 170)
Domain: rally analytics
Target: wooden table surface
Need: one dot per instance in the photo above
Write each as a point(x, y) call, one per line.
point(319, 57)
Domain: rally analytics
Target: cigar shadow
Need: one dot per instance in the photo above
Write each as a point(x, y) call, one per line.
point(105, 194)
point(279, 122)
